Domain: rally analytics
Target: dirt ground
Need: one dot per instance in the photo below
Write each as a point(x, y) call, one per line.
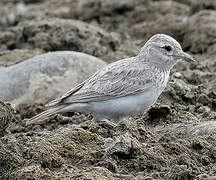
point(175, 139)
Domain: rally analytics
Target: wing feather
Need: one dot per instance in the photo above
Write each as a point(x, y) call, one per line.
point(115, 80)
point(69, 93)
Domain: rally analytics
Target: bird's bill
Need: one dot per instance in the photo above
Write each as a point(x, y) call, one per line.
point(185, 56)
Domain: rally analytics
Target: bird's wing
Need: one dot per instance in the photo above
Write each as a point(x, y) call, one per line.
point(115, 80)
point(69, 93)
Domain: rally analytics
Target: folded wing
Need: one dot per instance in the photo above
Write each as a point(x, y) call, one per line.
point(116, 80)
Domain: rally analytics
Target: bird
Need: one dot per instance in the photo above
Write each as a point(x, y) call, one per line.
point(125, 87)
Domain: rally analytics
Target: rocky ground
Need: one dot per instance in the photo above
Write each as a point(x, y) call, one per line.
point(175, 139)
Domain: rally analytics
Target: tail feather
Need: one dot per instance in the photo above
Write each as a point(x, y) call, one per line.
point(44, 115)
point(54, 102)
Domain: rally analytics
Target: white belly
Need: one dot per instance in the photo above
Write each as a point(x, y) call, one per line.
point(124, 106)
point(118, 107)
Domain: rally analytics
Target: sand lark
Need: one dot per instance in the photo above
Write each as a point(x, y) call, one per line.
point(125, 87)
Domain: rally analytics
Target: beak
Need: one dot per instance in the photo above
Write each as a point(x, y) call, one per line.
point(186, 57)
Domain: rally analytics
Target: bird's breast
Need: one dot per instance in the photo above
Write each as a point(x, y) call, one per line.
point(161, 79)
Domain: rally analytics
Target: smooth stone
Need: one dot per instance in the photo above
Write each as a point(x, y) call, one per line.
point(45, 77)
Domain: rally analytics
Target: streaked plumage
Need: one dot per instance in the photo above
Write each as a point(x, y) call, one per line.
point(125, 87)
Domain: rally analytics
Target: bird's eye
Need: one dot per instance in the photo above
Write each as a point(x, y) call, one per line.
point(168, 48)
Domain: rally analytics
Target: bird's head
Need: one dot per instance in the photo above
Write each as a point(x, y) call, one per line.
point(163, 49)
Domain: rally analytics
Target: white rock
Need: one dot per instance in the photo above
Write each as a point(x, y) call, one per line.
point(45, 77)
point(177, 74)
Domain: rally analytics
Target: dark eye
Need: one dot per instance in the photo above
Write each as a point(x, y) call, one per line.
point(168, 48)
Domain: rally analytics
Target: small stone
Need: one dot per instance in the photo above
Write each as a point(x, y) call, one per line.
point(177, 75)
point(203, 176)
point(204, 109)
point(6, 116)
point(203, 99)
point(159, 111)
point(121, 146)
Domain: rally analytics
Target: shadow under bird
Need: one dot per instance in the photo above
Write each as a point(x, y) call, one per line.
point(123, 88)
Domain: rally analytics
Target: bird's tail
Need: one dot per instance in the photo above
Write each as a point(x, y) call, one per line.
point(44, 115)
